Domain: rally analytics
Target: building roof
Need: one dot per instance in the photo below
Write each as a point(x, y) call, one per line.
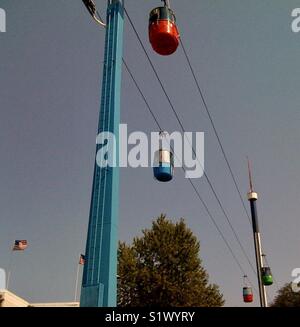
point(9, 299)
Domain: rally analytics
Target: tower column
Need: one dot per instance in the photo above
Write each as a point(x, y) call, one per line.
point(99, 284)
point(252, 198)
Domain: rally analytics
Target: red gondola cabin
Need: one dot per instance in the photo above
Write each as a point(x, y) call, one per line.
point(163, 32)
point(247, 294)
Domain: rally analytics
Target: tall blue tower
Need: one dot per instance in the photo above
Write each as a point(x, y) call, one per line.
point(99, 284)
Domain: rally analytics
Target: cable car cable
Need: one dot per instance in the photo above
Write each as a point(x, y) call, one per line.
point(201, 93)
point(208, 180)
point(99, 20)
point(142, 95)
point(182, 127)
point(214, 128)
point(194, 187)
point(192, 184)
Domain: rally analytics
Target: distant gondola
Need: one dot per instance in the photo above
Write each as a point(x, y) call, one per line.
point(247, 292)
point(266, 274)
point(163, 167)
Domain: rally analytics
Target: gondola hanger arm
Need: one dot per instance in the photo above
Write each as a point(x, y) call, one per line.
point(166, 2)
point(91, 7)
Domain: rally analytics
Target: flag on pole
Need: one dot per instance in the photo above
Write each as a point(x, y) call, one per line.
point(20, 245)
point(82, 259)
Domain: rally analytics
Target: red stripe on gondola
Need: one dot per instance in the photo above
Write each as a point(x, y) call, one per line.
point(248, 298)
point(164, 37)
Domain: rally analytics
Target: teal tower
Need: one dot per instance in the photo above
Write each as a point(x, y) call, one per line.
point(99, 283)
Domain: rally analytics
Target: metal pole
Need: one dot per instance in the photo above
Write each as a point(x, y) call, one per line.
point(76, 283)
point(252, 197)
point(9, 269)
point(99, 283)
point(260, 259)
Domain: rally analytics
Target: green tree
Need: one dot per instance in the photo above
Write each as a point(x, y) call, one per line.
point(163, 268)
point(286, 297)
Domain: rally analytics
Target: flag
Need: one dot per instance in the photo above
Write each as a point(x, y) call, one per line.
point(82, 259)
point(20, 245)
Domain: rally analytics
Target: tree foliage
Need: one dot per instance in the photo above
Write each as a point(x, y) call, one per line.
point(163, 268)
point(286, 297)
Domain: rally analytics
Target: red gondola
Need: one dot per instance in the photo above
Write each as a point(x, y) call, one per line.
point(247, 292)
point(163, 32)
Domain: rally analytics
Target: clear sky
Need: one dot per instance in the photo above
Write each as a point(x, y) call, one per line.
point(247, 61)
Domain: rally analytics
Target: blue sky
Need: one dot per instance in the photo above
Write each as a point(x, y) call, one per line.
point(247, 61)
